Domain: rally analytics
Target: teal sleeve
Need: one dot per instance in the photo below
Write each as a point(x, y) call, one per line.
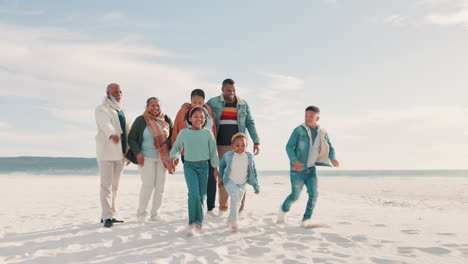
point(214, 159)
point(254, 173)
point(291, 146)
point(331, 154)
point(210, 103)
point(178, 145)
point(250, 125)
point(222, 167)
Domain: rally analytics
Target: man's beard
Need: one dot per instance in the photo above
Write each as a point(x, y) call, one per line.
point(119, 104)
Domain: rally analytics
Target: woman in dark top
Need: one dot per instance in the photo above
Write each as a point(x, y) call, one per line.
point(150, 141)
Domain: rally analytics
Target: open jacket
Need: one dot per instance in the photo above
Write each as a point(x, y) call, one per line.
point(225, 169)
point(135, 138)
point(298, 147)
point(108, 124)
point(244, 118)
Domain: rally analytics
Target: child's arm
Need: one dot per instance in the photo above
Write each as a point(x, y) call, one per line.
point(222, 167)
point(254, 173)
point(214, 159)
point(177, 147)
point(331, 154)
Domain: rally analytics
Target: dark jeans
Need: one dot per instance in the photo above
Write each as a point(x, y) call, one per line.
point(210, 187)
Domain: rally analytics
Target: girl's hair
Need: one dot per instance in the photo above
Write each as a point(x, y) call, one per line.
point(149, 101)
point(193, 111)
point(238, 135)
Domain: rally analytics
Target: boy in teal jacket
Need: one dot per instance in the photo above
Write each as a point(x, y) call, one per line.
point(309, 146)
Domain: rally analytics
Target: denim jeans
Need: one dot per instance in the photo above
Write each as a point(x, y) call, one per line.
point(307, 177)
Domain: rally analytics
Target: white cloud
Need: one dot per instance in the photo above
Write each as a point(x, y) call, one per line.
point(395, 19)
point(70, 68)
point(446, 12)
point(4, 125)
point(454, 18)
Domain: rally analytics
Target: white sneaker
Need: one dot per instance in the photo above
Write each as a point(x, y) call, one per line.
point(306, 223)
point(281, 217)
point(141, 218)
point(211, 213)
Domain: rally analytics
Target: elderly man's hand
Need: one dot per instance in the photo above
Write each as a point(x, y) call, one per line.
point(115, 138)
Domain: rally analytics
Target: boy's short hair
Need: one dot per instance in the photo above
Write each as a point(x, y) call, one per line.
point(197, 92)
point(228, 82)
point(238, 135)
point(313, 108)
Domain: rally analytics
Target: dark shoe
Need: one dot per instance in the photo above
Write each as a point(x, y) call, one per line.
point(108, 223)
point(113, 221)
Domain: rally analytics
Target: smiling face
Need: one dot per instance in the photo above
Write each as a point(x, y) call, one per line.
point(115, 92)
point(197, 119)
point(239, 145)
point(311, 118)
point(153, 107)
point(229, 93)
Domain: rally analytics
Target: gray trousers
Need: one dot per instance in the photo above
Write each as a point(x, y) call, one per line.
point(110, 171)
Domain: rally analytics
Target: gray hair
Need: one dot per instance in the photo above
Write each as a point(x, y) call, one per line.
point(110, 86)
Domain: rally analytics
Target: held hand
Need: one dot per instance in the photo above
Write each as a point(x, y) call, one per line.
point(171, 170)
point(115, 138)
point(335, 163)
point(217, 176)
point(140, 159)
point(176, 162)
point(257, 192)
point(256, 149)
point(298, 166)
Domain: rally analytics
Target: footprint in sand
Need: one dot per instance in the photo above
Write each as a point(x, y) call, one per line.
point(341, 255)
point(338, 240)
point(290, 245)
point(257, 251)
point(344, 223)
point(446, 234)
point(280, 256)
point(319, 260)
point(380, 225)
point(386, 261)
point(411, 232)
point(450, 245)
point(430, 250)
point(359, 238)
point(435, 250)
point(291, 261)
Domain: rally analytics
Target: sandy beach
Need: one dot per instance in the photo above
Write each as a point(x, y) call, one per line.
point(55, 219)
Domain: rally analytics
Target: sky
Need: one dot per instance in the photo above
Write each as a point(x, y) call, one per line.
point(390, 77)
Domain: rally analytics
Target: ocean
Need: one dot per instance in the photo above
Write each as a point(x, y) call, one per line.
point(89, 167)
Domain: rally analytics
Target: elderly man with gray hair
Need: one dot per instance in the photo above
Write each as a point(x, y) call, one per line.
point(111, 146)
